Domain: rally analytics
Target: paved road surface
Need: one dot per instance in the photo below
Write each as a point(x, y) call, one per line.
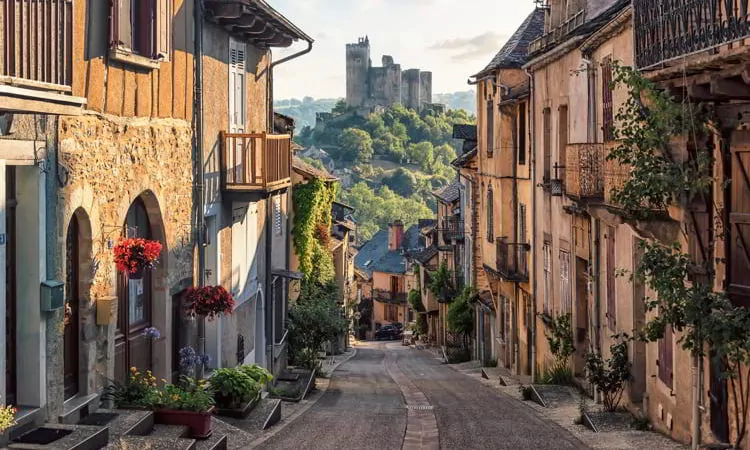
point(365, 409)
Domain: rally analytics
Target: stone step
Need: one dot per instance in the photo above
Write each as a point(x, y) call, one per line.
point(169, 431)
point(62, 437)
point(150, 442)
point(267, 413)
point(215, 442)
point(127, 422)
point(76, 408)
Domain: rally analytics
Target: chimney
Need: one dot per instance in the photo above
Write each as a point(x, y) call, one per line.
point(395, 235)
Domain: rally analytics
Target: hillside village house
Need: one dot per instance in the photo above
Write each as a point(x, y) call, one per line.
point(384, 259)
point(99, 143)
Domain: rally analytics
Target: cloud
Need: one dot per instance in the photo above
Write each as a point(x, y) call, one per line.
point(467, 48)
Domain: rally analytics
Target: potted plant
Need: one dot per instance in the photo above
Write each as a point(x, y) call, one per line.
point(134, 255)
point(138, 392)
point(7, 417)
point(189, 403)
point(209, 301)
point(235, 392)
point(258, 373)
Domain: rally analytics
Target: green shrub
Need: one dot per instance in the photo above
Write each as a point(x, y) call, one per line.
point(233, 387)
point(258, 373)
point(610, 376)
point(561, 375)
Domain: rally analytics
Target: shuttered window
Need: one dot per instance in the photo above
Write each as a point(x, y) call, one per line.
point(608, 113)
point(666, 358)
point(490, 219)
point(562, 139)
point(143, 27)
point(490, 128)
point(611, 303)
point(522, 130)
point(547, 143)
point(277, 215)
point(237, 86)
point(566, 295)
point(547, 250)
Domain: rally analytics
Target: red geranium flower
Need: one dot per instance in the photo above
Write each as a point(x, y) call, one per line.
point(209, 301)
point(136, 253)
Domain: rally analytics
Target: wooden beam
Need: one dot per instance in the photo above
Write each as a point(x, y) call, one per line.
point(730, 88)
point(700, 92)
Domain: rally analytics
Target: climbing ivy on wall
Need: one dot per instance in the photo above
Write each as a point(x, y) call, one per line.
point(312, 225)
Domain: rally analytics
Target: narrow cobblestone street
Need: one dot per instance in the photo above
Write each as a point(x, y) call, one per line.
point(393, 397)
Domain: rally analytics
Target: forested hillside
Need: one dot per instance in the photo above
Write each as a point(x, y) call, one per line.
point(397, 158)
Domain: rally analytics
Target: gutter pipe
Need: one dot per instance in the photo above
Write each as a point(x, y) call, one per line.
point(534, 289)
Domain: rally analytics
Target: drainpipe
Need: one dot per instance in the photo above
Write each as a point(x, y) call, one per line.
point(533, 221)
point(270, 78)
point(200, 175)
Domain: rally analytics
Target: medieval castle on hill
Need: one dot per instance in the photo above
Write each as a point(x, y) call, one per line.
point(368, 87)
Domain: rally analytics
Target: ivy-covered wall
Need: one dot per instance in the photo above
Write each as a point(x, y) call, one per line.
point(312, 227)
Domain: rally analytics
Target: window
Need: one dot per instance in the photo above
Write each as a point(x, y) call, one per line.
point(142, 27)
point(522, 134)
point(244, 257)
point(507, 319)
point(608, 121)
point(547, 142)
point(565, 292)
point(666, 359)
point(529, 315)
point(490, 128)
point(490, 207)
point(237, 86)
point(523, 238)
point(277, 215)
point(391, 312)
point(547, 276)
point(611, 303)
point(562, 137)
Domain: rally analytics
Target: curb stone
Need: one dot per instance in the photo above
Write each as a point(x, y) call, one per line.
point(266, 436)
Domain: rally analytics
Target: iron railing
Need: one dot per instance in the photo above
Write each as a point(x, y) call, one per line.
point(556, 35)
point(512, 260)
point(386, 296)
point(453, 229)
point(584, 169)
point(255, 162)
point(669, 29)
point(37, 42)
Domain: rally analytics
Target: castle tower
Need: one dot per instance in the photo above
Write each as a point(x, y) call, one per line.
point(410, 89)
point(357, 72)
point(425, 88)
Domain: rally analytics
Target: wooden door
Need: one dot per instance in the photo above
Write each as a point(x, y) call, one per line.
point(719, 401)
point(581, 314)
point(71, 333)
point(10, 286)
point(739, 218)
point(132, 348)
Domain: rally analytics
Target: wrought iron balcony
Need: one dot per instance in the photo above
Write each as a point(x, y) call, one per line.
point(386, 296)
point(452, 229)
point(257, 163)
point(616, 174)
point(670, 29)
point(37, 44)
point(556, 35)
point(584, 169)
point(512, 260)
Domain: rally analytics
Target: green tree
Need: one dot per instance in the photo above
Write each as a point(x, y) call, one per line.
point(402, 182)
point(356, 145)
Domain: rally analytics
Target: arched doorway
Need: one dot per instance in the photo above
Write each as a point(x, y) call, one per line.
point(134, 312)
point(71, 344)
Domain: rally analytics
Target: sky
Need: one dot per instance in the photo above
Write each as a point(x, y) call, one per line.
point(453, 39)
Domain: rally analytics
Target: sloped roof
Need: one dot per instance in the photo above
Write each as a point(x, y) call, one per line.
point(375, 256)
point(449, 193)
point(424, 255)
point(515, 52)
point(465, 158)
point(306, 169)
point(465, 131)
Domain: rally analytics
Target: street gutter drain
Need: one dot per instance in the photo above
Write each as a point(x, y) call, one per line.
point(420, 407)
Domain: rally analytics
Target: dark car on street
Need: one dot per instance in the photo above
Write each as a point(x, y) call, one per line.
point(389, 332)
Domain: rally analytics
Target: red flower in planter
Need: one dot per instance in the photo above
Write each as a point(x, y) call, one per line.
point(135, 254)
point(209, 301)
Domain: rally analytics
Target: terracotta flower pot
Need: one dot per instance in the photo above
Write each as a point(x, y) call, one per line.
point(199, 422)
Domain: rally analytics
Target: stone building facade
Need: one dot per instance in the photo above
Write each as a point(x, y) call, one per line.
point(368, 86)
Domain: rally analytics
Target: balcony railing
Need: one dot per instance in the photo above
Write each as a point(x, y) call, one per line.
point(255, 162)
point(512, 260)
point(556, 36)
point(37, 41)
point(453, 229)
point(386, 296)
point(669, 29)
point(616, 174)
point(584, 167)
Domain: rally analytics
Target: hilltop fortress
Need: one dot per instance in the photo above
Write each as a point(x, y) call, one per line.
point(369, 87)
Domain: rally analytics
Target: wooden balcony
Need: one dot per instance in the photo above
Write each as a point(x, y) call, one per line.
point(386, 296)
point(452, 229)
point(37, 41)
point(255, 164)
point(584, 167)
point(513, 260)
point(616, 174)
point(666, 30)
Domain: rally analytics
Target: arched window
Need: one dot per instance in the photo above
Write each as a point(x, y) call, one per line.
point(490, 221)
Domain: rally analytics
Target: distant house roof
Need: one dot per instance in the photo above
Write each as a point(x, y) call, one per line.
point(283, 124)
point(375, 256)
point(462, 160)
point(424, 255)
point(464, 131)
point(449, 193)
point(515, 52)
point(304, 168)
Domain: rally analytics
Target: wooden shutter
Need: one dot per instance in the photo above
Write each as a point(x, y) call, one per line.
point(120, 28)
point(547, 130)
point(237, 56)
point(490, 128)
point(666, 358)
point(490, 219)
point(607, 101)
point(163, 29)
point(739, 220)
point(522, 134)
point(562, 134)
point(611, 303)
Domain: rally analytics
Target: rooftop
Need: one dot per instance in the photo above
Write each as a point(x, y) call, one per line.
point(306, 169)
point(450, 193)
point(514, 53)
point(374, 256)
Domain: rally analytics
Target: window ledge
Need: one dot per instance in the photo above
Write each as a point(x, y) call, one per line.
point(126, 56)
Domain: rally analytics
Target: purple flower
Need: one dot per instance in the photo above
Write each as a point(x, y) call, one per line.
point(187, 358)
point(205, 360)
point(152, 333)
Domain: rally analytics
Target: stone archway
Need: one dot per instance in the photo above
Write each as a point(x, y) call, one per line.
point(143, 303)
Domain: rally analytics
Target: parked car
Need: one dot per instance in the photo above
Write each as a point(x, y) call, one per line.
point(388, 333)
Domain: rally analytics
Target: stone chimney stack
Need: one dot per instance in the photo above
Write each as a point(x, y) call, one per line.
point(395, 235)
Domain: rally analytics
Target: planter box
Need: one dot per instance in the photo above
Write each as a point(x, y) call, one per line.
point(239, 413)
point(200, 423)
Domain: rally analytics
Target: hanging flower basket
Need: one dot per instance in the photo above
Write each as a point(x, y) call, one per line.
point(209, 301)
point(134, 255)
